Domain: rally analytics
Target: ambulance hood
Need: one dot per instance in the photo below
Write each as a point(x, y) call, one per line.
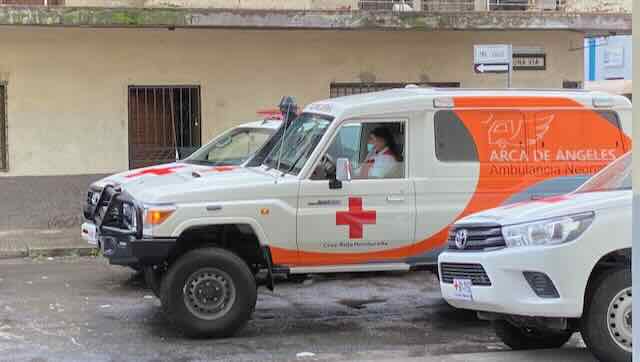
point(160, 183)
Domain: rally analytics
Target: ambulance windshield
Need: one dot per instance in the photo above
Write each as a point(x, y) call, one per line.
point(616, 176)
point(300, 139)
point(232, 148)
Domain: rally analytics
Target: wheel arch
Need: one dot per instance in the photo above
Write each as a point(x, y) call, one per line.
point(620, 258)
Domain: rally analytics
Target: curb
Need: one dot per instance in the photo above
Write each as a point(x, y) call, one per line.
point(62, 251)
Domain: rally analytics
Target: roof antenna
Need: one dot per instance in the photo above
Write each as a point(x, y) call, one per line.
point(288, 108)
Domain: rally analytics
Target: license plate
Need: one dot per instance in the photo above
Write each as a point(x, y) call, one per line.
point(89, 233)
point(463, 289)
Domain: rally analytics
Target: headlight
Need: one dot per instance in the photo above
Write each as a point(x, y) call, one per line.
point(154, 216)
point(549, 231)
point(129, 216)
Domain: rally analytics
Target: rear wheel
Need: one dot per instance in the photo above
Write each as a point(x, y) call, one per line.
point(607, 320)
point(209, 292)
point(518, 338)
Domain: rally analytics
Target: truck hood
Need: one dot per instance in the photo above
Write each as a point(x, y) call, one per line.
point(573, 203)
point(155, 182)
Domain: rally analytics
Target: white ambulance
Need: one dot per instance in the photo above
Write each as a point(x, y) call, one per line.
point(544, 269)
point(233, 148)
point(361, 183)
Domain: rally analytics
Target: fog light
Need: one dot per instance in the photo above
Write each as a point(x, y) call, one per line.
point(541, 284)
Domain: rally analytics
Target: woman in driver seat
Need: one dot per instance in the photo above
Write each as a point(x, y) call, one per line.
point(384, 157)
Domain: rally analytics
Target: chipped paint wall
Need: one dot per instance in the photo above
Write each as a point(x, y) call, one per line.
point(67, 87)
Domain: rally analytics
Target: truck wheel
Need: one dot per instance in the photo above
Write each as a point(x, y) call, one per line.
point(527, 338)
point(153, 279)
point(209, 292)
point(606, 322)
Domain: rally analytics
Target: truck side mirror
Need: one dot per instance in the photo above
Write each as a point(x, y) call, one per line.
point(343, 169)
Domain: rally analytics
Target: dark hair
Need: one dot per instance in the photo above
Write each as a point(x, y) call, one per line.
point(385, 134)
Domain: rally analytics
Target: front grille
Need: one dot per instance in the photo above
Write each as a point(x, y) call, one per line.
point(473, 272)
point(478, 237)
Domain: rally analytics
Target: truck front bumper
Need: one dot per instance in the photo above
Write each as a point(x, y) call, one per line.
point(506, 289)
point(123, 248)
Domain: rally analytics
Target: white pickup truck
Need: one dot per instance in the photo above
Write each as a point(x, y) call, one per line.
point(543, 269)
point(361, 183)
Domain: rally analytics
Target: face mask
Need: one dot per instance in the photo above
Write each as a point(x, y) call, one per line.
point(369, 147)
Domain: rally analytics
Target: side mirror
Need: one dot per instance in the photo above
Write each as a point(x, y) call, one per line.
point(343, 169)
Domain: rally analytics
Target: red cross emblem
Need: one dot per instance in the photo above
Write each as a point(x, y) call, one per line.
point(159, 171)
point(355, 217)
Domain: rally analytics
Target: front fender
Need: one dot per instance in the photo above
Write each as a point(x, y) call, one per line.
point(209, 221)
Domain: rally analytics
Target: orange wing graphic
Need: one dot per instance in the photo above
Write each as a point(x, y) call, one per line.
point(542, 127)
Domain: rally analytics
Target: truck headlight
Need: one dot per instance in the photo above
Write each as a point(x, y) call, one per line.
point(551, 231)
point(129, 216)
point(154, 216)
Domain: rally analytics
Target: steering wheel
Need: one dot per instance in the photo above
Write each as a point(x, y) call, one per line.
point(329, 164)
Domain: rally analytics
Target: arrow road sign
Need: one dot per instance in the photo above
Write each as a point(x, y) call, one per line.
point(491, 68)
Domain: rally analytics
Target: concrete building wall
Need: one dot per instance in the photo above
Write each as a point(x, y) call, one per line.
point(571, 5)
point(225, 4)
point(67, 87)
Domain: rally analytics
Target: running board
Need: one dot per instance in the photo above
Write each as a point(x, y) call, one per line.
point(349, 268)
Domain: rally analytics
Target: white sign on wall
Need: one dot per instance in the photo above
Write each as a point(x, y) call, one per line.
point(492, 54)
point(613, 57)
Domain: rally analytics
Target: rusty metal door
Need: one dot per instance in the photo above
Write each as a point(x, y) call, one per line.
point(164, 124)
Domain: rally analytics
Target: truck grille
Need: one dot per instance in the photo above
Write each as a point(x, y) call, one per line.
point(477, 237)
point(473, 272)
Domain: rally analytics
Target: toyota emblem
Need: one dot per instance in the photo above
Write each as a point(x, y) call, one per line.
point(461, 238)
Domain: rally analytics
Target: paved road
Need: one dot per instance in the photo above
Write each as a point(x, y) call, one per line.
point(79, 309)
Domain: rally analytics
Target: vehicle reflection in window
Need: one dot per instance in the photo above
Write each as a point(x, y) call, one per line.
point(616, 176)
point(231, 149)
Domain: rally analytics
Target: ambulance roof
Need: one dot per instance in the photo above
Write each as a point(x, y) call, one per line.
point(402, 100)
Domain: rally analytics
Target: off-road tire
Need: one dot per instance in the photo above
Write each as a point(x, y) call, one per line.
point(519, 338)
point(174, 290)
point(595, 321)
point(153, 279)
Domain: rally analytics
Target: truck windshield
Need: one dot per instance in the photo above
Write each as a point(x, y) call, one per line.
point(232, 148)
point(616, 176)
point(300, 139)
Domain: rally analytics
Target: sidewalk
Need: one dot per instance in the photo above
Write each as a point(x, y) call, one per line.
point(42, 242)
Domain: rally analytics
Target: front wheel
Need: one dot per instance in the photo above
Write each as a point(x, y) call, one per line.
point(606, 323)
point(209, 292)
point(518, 338)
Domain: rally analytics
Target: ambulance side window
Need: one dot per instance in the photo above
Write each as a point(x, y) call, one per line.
point(352, 141)
point(453, 141)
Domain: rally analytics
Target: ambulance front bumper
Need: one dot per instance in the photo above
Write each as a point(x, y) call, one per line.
point(527, 281)
point(120, 237)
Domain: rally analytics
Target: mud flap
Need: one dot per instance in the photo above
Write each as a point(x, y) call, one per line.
point(267, 258)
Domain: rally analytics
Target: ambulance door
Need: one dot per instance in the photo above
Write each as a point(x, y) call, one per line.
point(475, 159)
point(368, 219)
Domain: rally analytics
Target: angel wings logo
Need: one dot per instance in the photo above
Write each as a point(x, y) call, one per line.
point(512, 132)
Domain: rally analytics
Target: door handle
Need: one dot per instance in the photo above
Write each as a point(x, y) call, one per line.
point(395, 198)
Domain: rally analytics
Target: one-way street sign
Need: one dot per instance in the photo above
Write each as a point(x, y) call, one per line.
point(491, 68)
